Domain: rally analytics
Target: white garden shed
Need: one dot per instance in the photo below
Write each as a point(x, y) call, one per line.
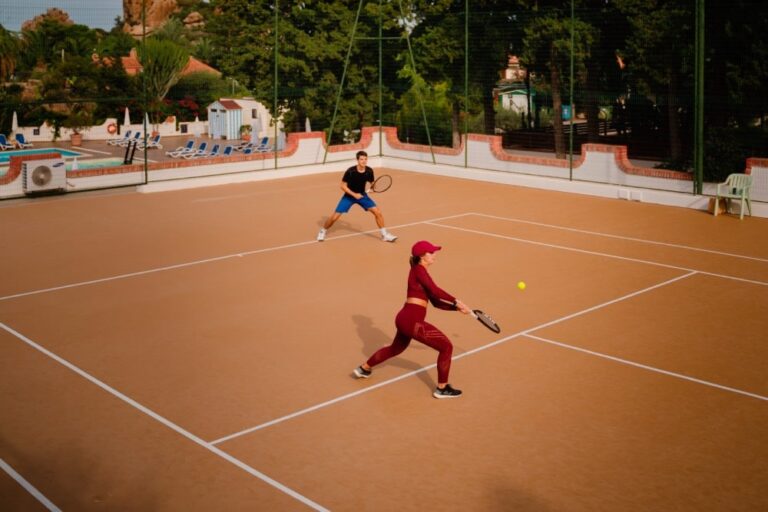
point(224, 119)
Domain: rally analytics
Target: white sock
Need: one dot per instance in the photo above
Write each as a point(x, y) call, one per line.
point(383, 231)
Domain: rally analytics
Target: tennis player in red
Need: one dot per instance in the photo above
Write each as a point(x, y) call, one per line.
point(411, 325)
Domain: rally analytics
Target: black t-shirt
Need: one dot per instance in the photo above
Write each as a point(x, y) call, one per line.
point(356, 180)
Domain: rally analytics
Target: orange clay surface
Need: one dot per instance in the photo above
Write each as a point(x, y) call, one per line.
point(193, 350)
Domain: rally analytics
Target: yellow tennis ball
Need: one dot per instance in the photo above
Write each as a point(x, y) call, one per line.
point(521, 285)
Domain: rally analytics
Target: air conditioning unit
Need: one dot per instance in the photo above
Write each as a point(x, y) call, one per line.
point(44, 175)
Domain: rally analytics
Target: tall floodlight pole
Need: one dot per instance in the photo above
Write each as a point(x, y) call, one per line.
point(466, 83)
point(572, 111)
point(275, 117)
point(144, 87)
point(698, 146)
point(381, 83)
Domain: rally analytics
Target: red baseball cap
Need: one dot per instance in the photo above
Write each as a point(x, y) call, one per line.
point(423, 247)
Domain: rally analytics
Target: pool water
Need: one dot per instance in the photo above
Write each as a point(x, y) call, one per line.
point(5, 156)
point(95, 164)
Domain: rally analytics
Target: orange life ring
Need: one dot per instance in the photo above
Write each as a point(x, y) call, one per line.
point(112, 128)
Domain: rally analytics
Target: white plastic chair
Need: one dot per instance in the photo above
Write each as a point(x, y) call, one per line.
point(736, 186)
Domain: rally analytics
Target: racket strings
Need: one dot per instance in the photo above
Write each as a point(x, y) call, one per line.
point(382, 183)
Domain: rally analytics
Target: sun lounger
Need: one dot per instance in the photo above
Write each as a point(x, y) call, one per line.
point(129, 140)
point(186, 148)
point(117, 140)
point(4, 144)
point(200, 151)
point(22, 142)
point(154, 142)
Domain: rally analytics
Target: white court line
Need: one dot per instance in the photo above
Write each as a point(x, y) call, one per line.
point(211, 260)
point(595, 253)
point(649, 368)
point(29, 487)
point(619, 237)
point(429, 367)
point(257, 193)
point(208, 446)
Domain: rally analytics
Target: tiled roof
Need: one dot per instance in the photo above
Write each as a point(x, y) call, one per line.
point(133, 67)
point(230, 105)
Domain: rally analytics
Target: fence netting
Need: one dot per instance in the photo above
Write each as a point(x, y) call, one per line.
point(547, 77)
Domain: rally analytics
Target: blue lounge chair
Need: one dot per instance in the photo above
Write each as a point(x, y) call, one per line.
point(228, 151)
point(117, 140)
point(263, 146)
point(22, 142)
point(128, 140)
point(200, 151)
point(243, 145)
point(154, 142)
point(186, 148)
point(4, 144)
point(213, 152)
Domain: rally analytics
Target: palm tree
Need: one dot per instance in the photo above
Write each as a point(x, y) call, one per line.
point(162, 62)
point(9, 50)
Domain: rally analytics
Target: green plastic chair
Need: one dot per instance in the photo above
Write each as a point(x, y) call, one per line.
point(736, 186)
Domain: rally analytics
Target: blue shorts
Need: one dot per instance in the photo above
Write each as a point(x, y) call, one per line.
point(346, 202)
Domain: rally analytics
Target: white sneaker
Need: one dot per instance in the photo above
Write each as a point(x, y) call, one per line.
point(388, 237)
point(321, 235)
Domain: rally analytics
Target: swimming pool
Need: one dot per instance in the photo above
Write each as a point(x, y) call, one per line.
point(95, 164)
point(5, 156)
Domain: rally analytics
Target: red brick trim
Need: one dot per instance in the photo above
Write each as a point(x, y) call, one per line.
point(755, 162)
point(14, 166)
point(627, 167)
point(390, 133)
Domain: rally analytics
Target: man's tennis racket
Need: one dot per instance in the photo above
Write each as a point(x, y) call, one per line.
point(486, 320)
point(382, 183)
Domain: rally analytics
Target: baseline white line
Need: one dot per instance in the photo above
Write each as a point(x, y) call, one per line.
point(257, 193)
point(211, 260)
point(620, 237)
point(595, 253)
point(29, 487)
point(208, 446)
point(650, 368)
point(429, 367)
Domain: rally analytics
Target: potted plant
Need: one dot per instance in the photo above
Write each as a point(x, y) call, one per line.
point(78, 119)
point(245, 132)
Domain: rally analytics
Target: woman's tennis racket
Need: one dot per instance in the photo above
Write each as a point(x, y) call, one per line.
point(483, 318)
point(382, 183)
point(486, 320)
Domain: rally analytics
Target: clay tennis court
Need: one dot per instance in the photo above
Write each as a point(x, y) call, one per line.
point(193, 350)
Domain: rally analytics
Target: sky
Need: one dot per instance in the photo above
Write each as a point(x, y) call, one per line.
point(93, 13)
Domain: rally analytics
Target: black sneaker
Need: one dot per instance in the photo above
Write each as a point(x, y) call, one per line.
point(446, 392)
point(362, 373)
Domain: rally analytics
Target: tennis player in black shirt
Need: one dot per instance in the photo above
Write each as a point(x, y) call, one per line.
point(354, 184)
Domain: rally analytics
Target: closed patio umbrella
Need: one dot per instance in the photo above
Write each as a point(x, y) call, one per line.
point(256, 127)
point(14, 123)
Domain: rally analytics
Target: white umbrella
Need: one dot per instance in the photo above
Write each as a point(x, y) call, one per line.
point(15, 123)
point(196, 127)
point(127, 118)
point(307, 125)
point(256, 127)
point(280, 140)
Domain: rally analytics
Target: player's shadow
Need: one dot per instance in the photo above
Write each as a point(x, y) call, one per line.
point(374, 338)
point(342, 227)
